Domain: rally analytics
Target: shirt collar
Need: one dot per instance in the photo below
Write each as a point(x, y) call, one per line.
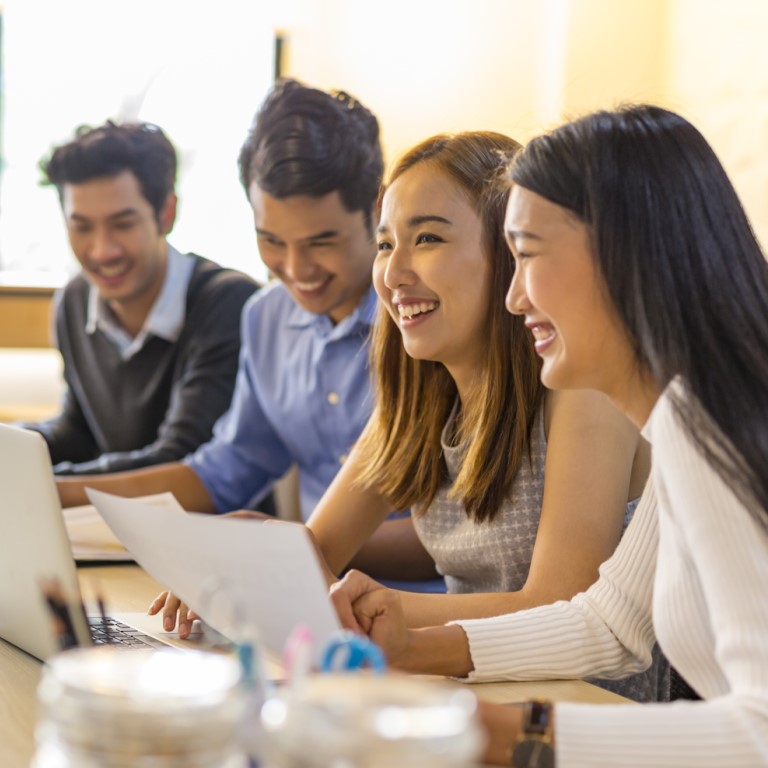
point(165, 319)
point(362, 317)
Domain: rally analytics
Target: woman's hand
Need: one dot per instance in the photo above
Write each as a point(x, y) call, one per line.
point(365, 606)
point(172, 608)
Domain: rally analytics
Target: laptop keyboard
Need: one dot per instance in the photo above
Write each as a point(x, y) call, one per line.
point(108, 631)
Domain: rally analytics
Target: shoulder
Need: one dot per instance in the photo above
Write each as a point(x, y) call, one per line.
point(274, 302)
point(584, 411)
point(73, 297)
point(209, 281)
point(665, 429)
point(76, 289)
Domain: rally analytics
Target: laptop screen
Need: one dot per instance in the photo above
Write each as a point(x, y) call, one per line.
point(34, 547)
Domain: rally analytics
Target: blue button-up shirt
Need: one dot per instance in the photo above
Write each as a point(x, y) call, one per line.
point(302, 397)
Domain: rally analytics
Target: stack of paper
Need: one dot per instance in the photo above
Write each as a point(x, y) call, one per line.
point(92, 539)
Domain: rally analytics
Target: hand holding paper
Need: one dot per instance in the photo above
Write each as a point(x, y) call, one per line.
point(269, 573)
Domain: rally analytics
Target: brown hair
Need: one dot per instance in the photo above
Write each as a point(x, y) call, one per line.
point(400, 448)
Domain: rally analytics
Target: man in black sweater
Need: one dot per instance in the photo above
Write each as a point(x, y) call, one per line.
point(149, 336)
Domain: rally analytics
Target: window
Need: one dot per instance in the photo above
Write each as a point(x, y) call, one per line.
point(199, 74)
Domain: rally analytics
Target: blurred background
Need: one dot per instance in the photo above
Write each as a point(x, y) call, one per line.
point(200, 70)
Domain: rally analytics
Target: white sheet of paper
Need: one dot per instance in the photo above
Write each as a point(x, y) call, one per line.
point(265, 575)
point(92, 539)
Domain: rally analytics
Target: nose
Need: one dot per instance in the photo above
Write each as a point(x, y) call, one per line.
point(294, 265)
point(103, 246)
point(399, 269)
point(517, 298)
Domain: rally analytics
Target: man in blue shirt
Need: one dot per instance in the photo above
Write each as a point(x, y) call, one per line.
point(311, 167)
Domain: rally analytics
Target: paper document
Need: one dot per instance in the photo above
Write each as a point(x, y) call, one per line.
point(239, 575)
point(92, 539)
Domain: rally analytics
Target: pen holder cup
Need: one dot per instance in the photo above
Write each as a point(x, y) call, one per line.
point(371, 721)
point(108, 708)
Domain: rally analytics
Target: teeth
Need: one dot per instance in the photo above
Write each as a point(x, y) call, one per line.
point(411, 310)
point(309, 286)
point(541, 332)
point(112, 271)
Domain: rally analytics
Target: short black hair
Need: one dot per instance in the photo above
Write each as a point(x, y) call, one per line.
point(109, 149)
point(304, 141)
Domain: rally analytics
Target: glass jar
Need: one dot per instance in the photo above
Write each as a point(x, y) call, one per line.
point(109, 708)
point(371, 721)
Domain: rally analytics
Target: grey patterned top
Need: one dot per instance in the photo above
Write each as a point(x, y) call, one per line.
point(496, 556)
point(486, 557)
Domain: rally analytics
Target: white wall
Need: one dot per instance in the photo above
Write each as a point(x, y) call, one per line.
point(719, 76)
point(520, 66)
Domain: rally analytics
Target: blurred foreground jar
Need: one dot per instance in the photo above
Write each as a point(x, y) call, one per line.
point(107, 708)
point(371, 721)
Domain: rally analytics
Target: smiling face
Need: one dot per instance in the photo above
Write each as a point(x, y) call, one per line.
point(321, 251)
point(557, 288)
point(118, 240)
point(431, 270)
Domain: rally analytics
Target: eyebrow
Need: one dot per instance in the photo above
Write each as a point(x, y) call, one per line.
point(522, 234)
point(124, 214)
point(416, 221)
point(326, 234)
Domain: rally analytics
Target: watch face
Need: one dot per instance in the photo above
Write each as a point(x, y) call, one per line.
point(533, 753)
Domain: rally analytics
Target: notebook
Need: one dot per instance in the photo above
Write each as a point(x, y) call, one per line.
point(35, 548)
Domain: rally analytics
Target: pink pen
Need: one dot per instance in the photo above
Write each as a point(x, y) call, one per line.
point(297, 656)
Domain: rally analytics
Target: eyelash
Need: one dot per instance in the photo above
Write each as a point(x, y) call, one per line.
point(426, 237)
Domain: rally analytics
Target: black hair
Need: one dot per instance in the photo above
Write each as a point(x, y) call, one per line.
point(681, 266)
point(141, 148)
point(304, 141)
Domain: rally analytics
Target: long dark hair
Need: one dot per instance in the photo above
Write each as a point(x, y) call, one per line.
point(681, 266)
point(401, 449)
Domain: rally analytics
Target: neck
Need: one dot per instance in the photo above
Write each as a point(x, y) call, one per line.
point(133, 312)
point(635, 396)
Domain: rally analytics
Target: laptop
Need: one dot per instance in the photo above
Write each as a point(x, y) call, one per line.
point(35, 549)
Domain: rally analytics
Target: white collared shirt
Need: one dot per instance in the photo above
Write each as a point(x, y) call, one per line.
point(165, 319)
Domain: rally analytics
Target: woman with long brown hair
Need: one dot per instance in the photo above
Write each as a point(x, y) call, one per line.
point(462, 431)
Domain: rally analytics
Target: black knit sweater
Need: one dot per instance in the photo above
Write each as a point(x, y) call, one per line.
point(160, 404)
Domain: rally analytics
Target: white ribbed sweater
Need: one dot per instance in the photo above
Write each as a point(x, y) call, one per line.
point(691, 570)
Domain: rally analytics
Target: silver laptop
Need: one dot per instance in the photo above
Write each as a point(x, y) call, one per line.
point(35, 549)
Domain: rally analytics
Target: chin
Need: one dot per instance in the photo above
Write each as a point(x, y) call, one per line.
point(553, 378)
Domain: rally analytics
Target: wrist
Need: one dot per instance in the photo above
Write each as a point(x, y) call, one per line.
point(442, 650)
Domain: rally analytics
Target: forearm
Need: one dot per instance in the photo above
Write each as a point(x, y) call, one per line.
point(440, 650)
point(177, 478)
point(427, 610)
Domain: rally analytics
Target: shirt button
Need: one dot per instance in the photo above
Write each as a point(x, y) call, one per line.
point(333, 398)
point(343, 458)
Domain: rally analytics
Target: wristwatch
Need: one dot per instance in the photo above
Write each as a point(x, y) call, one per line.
point(534, 748)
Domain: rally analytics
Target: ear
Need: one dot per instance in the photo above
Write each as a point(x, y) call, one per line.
point(168, 214)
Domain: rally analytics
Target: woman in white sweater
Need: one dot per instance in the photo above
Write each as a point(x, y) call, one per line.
point(638, 275)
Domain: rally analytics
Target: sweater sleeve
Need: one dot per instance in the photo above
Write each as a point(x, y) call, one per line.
point(718, 580)
point(604, 632)
point(67, 434)
point(721, 576)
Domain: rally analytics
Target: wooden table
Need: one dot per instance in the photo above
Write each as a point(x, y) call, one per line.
point(128, 588)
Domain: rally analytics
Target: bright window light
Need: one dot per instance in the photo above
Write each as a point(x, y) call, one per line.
point(198, 70)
